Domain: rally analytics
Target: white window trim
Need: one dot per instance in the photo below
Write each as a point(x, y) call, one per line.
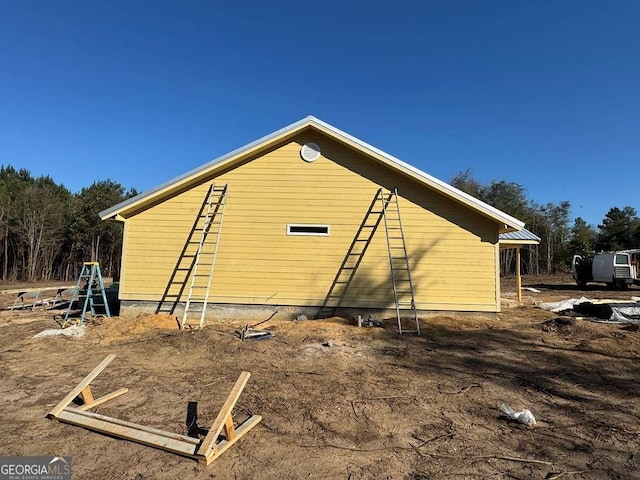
point(308, 234)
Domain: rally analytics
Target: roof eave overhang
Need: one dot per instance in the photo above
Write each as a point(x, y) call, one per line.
point(113, 218)
point(517, 243)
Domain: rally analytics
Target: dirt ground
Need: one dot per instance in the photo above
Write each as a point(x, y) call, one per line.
point(372, 405)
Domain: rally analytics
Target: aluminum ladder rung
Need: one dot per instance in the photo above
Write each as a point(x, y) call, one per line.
point(211, 228)
point(396, 245)
point(204, 238)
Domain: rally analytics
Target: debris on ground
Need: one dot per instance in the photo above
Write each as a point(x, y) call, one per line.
point(523, 416)
point(76, 331)
point(562, 305)
point(627, 313)
point(561, 325)
point(368, 322)
point(633, 327)
point(250, 333)
point(612, 311)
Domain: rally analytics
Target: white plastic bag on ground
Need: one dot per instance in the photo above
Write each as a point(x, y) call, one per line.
point(72, 331)
point(525, 416)
point(563, 305)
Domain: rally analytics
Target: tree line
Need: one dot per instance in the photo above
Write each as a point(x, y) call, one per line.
point(559, 239)
point(47, 232)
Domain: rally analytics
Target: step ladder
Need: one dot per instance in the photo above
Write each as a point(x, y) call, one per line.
point(354, 256)
point(403, 293)
point(197, 240)
point(91, 295)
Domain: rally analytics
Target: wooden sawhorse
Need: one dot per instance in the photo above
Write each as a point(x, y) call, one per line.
point(205, 450)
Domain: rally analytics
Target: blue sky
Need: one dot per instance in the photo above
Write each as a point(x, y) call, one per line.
point(544, 94)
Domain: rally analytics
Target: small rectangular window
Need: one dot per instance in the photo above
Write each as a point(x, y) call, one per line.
point(303, 229)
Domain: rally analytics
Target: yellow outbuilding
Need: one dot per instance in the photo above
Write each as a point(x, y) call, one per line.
point(294, 204)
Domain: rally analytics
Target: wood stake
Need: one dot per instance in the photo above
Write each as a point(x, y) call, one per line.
point(87, 396)
point(229, 430)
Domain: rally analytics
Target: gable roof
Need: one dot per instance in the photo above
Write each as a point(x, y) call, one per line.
point(124, 209)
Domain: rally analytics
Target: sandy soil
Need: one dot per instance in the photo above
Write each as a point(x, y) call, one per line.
point(371, 406)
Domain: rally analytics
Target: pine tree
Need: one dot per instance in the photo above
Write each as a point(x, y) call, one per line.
point(583, 238)
point(617, 229)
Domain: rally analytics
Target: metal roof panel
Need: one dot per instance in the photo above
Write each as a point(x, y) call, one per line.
point(520, 235)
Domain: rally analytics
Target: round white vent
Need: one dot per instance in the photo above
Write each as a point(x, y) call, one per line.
point(310, 152)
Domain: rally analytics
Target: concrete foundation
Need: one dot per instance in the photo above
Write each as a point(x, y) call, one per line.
point(255, 313)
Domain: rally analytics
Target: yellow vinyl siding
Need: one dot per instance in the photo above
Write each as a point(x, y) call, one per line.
point(451, 248)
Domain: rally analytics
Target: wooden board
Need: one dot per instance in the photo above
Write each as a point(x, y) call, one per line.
point(117, 421)
point(223, 445)
point(129, 431)
point(104, 398)
point(38, 289)
point(153, 437)
point(85, 381)
point(210, 440)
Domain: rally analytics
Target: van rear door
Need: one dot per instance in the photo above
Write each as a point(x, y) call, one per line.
point(622, 266)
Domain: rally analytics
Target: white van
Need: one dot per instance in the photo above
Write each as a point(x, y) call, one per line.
point(616, 269)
